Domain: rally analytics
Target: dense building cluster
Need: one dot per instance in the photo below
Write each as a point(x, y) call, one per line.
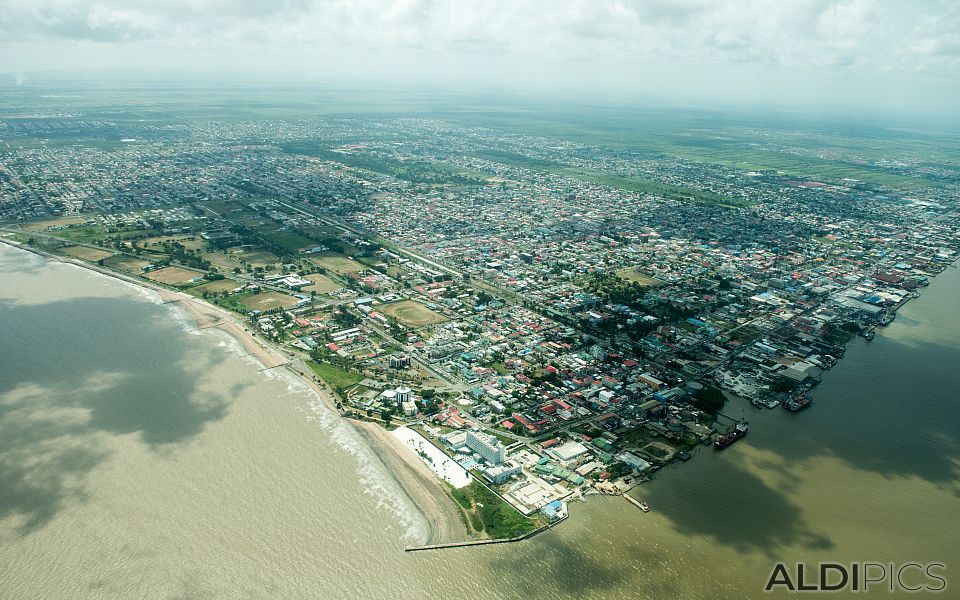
point(558, 316)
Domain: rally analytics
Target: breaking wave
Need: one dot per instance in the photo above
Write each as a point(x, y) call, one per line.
point(374, 481)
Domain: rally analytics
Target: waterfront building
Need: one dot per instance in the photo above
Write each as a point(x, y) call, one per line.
point(492, 451)
point(501, 473)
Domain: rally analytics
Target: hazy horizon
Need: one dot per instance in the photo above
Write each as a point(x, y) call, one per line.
point(848, 56)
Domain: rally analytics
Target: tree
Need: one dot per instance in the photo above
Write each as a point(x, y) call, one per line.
point(710, 400)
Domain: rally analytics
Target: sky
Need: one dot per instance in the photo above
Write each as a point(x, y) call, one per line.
point(897, 55)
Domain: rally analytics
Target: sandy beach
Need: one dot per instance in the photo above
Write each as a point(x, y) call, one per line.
point(416, 479)
point(418, 482)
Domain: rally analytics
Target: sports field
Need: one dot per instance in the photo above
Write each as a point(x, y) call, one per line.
point(126, 263)
point(339, 264)
point(412, 314)
point(269, 301)
point(635, 276)
point(321, 284)
point(85, 253)
point(223, 285)
point(172, 275)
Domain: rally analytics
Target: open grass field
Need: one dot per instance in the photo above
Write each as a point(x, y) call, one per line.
point(396, 271)
point(172, 275)
point(339, 264)
point(194, 244)
point(335, 376)
point(412, 314)
point(288, 240)
point(84, 253)
point(224, 262)
point(61, 222)
point(83, 235)
point(635, 276)
point(126, 263)
point(255, 258)
point(214, 287)
point(321, 284)
point(660, 450)
point(269, 301)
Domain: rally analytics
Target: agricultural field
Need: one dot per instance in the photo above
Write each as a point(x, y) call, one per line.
point(269, 301)
point(412, 314)
point(84, 253)
point(634, 276)
point(172, 275)
point(339, 264)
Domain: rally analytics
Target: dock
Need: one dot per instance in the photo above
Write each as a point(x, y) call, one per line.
point(632, 501)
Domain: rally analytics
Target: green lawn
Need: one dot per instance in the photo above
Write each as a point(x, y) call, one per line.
point(335, 376)
point(491, 514)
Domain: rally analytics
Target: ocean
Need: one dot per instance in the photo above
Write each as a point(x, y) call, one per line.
point(141, 458)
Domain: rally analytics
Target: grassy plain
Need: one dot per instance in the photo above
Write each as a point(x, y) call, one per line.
point(335, 376)
point(85, 253)
point(412, 314)
point(634, 276)
point(321, 284)
point(172, 275)
point(269, 301)
point(215, 287)
point(339, 264)
point(126, 263)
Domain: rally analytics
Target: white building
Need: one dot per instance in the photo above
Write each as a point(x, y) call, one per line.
point(492, 451)
point(295, 282)
point(568, 451)
point(501, 473)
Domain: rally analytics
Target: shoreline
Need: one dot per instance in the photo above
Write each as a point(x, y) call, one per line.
point(444, 517)
point(421, 487)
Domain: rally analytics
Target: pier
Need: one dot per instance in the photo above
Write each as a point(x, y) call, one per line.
point(466, 543)
point(632, 500)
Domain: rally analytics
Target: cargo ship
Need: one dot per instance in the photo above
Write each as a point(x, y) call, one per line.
point(725, 440)
point(797, 404)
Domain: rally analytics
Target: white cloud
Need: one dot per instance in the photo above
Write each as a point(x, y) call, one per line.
point(616, 42)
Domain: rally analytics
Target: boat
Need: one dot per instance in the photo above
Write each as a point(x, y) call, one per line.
point(888, 318)
point(725, 440)
point(644, 506)
point(770, 403)
point(797, 404)
point(869, 335)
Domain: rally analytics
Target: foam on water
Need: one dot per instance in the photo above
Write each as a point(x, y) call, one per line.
point(180, 316)
point(374, 482)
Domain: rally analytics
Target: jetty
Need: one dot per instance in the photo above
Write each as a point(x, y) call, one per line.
point(465, 543)
point(633, 501)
